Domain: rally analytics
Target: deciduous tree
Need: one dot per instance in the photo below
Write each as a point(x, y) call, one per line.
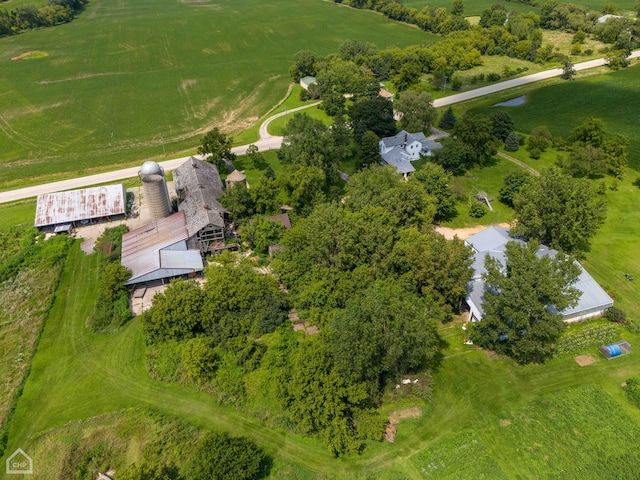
point(308, 142)
point(418, 113)
point(383, 333)
point(375, 114)
point(435, 181)
point(369, 150)
point(521, 301)
point(558, 211)
point(219, 456)
point(216, 148)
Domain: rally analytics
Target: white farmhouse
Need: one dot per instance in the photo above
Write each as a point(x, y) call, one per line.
point(404, 148)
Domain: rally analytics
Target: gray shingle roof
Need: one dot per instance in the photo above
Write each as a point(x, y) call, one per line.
point(199, 185)
point(397, 159)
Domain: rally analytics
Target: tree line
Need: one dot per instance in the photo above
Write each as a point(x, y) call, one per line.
point(514, 34)
point(28, 17)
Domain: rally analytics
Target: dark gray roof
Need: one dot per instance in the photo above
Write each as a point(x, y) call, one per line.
point(493, 240)
point(403, 137)
point(397, 159)
point(199, 184)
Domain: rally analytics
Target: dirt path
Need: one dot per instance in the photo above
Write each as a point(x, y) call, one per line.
point(529, 169)
point(464, 233)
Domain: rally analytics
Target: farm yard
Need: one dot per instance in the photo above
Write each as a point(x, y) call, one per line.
point(88, 394)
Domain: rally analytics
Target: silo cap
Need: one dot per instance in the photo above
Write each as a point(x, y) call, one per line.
point(150, 168)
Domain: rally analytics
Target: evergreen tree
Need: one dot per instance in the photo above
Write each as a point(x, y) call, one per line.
point(448, 120)
point(512, 142)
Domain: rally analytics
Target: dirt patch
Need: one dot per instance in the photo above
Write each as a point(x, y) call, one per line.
point(30, 55)
point(413, 412)
point(584, 360)
point(491, 355)
point(390, 432)
point(464, 233)
point(505, 422)
point(394, 418)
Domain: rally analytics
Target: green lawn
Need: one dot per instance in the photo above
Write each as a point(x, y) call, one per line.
point(614, 97)
point(127, 77)
point(488, 179)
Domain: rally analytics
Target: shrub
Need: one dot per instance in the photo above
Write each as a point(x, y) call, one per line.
point(493, 77)
point(632, 390)
point(535, 153)
point(616, 315)
point(477, 210)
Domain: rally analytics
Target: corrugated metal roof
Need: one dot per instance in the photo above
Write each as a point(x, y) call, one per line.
point(146, 249)
point(84, 204)
point(492, 241)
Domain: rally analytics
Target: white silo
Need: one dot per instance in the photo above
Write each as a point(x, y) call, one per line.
point(155, 190)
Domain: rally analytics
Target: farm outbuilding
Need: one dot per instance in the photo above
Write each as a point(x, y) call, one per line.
point(616, 349)
point(492, 241)
point(306, 82)
point(198, 186)
point(237, 177)
point(84, 206)
point(159, 250)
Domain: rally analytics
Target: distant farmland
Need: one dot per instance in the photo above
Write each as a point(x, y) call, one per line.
point(127, 77)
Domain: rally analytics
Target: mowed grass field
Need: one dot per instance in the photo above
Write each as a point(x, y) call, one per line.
point(129, 80)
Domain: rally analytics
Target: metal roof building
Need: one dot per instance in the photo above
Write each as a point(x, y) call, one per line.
point(492, 241)
point(159, 250)
point(80, 205)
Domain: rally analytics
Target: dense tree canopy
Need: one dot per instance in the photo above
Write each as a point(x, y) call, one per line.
point(418, 113)
point(374, 114)
point(513, 182)
point(309, 143)
point(436, 182)
point(521, 301)
point(383, 333)
point(558, 211)
point(243, 203)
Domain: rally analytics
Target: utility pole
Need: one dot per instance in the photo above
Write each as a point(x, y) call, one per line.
point(444, 83)
point(163, 150)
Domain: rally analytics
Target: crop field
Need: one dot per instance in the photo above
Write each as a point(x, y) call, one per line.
point(128, 80)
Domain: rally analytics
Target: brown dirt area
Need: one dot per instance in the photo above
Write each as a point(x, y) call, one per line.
point(505, 422)
point(394, 419)
point(584, 360)
point(464, 233)
point(28, 55)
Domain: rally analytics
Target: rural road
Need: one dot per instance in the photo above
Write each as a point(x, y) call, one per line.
point(269, 142)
